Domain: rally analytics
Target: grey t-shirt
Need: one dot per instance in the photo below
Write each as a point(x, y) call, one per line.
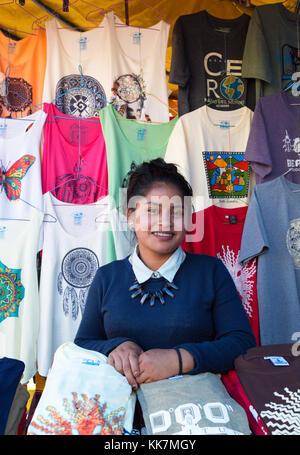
point(271, 55)
point(191, 404)
point(206, 62)
point(272, 234)
point(274, 141)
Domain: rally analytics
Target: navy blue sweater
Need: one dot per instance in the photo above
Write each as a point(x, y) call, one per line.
point(206, 316)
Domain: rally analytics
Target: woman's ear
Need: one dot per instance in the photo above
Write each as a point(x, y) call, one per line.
point(130, 218)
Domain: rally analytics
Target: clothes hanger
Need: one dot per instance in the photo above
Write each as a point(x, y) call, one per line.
point(294, 169)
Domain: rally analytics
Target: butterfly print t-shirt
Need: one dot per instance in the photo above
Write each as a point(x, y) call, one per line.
point(20, 165)
point(74, 165)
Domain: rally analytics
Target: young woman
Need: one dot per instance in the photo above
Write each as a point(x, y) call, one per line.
point(161, 311)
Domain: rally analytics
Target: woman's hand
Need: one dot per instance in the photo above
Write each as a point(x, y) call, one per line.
point(157, 364)
point(125, 359)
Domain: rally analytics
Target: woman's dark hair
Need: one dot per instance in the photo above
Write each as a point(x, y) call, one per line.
point(155, 171)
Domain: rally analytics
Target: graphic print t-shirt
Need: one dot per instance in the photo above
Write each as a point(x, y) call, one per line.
point(74, 165)
point(19, 299)
point(207, 60)
point(23, 64)
point(272, 58)
point(74, 247)
point(270, 377)
point(218, 232)
point(213, 159)
point(136, 69)
point(20, 165)
point(271, 233)
point(66, 50)
point(274, 141)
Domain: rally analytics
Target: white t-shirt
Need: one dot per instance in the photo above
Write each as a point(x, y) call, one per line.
point(136, 69)
point(83, 395)
point(19, 299)
point(66, 50)
point(74, 247)
point(20, 162)
point(211, 155)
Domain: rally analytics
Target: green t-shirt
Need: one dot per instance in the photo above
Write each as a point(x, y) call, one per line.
point(128, 144)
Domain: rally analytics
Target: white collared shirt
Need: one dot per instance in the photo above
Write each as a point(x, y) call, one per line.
point(167, 270)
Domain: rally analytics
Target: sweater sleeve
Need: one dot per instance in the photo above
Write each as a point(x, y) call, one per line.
point(233, 332)
point(91, 333)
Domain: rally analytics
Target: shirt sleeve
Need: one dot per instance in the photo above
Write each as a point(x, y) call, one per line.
point(256, 59)
point(232, 327)
point(91, 333)
point(258, 148)
point(254, 239)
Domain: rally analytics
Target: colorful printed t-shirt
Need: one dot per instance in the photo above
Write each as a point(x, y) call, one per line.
point(19, 299)
point(271, 58)
point(128, 144)
point(20, 165)
point(66, 50)
point(218, 232)
point(74, 165)
point(271, 233)
point(23, 63)
point(74, 247)
point(207, 55)
point(209, 148)
point(274, 141)
point(136, 89)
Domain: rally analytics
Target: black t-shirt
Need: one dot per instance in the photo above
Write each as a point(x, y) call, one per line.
point(206, 63)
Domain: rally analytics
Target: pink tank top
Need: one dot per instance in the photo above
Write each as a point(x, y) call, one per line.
point(74, 163)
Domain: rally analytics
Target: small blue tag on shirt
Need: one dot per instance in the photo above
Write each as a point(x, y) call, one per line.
point(83, 43)
point(224, 124)
point(141, 133)
point(2, 231)
point(78, 218)
point(91, 362)
point(136, 38)
point(278, 361)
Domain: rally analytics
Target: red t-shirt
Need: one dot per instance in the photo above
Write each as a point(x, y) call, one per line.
point(218, 232)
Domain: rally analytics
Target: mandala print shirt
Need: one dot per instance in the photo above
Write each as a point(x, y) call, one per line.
point(218, 232)
point(213, 160)
point(74, 247)
point(22, 71)
point(67, 50)
point(19, 299)
point(74, 158)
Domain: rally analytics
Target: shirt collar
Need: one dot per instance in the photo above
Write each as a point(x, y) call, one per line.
point(168, 270)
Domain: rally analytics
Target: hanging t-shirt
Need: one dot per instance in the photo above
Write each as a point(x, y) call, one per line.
point(271, 58)
point(20, 165)
point(74, 247)
point(271, 233)
point(209, 148)
point(128, 144)
point(137, 69)
point(19, 299)
point(270, 377)
point(206, 64)
point(66, 50)
point(83, 395)
point(218, 232)
point(74, 165)
point(23, 63)
point(274, 140)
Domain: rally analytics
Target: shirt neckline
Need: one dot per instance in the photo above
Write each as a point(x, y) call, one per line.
point(219, 214)
point(50, 201)
point(237, 24)
point(37, 117)
point(109, 22)
point(226, 116)
point(289, 187)
point(116, 117)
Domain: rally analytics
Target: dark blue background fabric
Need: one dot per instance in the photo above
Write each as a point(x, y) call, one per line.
point(11, 371)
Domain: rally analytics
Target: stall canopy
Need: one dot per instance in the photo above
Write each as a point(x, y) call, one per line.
point(18, 18)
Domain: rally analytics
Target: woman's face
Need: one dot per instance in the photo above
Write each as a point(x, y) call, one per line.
point(158, 219)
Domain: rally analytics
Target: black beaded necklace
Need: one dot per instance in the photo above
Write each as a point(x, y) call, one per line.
point(137, 290)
